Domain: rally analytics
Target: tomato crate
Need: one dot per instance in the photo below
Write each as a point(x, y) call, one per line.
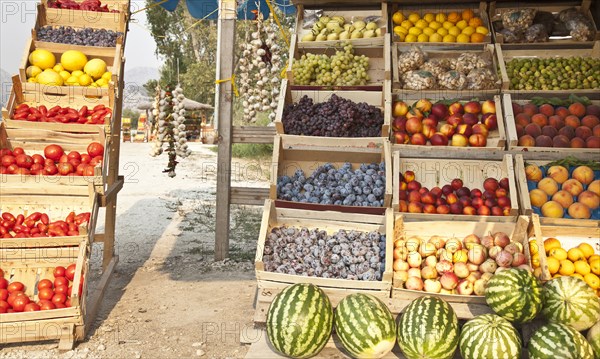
point(569, 237)
point(495, 141)
point(331, 222)
point(379, 64)
point(498, 8)
point(534, 152)
point(479, 10)
point(116, 21)
point(50, 100)
point(306, 16)
point(380, 99)
point(467, 306)
point(526, 186)
point(301, 153)
point(31, 265)
point(505, 55)
point(35, 141)
point(430, 173)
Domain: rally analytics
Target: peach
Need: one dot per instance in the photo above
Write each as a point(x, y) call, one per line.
point(489, 106)
point(547, 109)
point(577, 109)
point(573, 186)
point(590, 121)
point(415, 207)
point(590, 199)
point(561, 141)
point(439, 139)
point(523, 119)
point(429, 208)
point(521, 131)
point(517, 109)
point(456, 108)
point(400, 108)
point(552, 209)
point(459, 140)
point(480, 128)
point(423, 105)
point(564, 198)
point(558, 173)
point(579, 211)
point(533, 129)
point(533, 173)
point(567, 131)
point(572, 121)
point(550, 131)
point(583, 132)
point(593, 110)
point(401, 138)
point(577, 142)
point(543, 141)
point(530, 109)
point(409, 176)
point(583, 174)
point(539, 119)
point(418, 139)
point(548, 185)
point(473, 107)
point(594, 187)
point(556, 122)
point(562, 112)
point(414, 196)
point(403, 206)
point(596, 131)
point(538, 197)
point(428, 130)
point(593, 142)
point(414, 125)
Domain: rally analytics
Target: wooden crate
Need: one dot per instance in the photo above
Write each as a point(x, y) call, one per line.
point(36, 98)
point(569, 237)
point(350, 13)
point(525, 203)
point(379, 99)
point(379, 64)
point(29, 266)
point(80, 18)
point(505, 55)
point(439, 172)
point(497, 8)
point(34, 141)
point(457, 229)
point(439, 52)
point(291, 153)
point(538, 152)
point(479, 9)
point(496, 141)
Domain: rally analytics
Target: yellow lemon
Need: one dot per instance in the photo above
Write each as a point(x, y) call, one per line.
point(575, 254)
point(440, 17)
point(592, 280)
point(449, 38)
point(50, 77)
point(397, 30)
point(587, 249)
point(101, 82)
point(463, 38)
point(398, 17)
point(33, 71)
point(462, 24)
point(72, 81)
point(402, 37)
point(442, 31)
point(58, 68)
point(447, 24)
point(566, 267)
point(482, 30)
point(415, 31)
point(468, 30)
point(73, 60)
point(43, 59)
point(104, 86)
point(94, 85)
point(65, 75)
point(454, 31)
point(77, 73)
point(535, 260)
point(423, 38)
point(533, 247)
point(582, 267)
point(556, 275)
point(414, 17)
point(95, 68)
point(85, 80)
point(558, 253)
point(551, 243)
point(577, 275)
point(436, 38)
point(429, 17)
point(435, 25)
point(553, 265)
point(421, 24)
point(410, 38)
point(428, 31)
point(32, 80)
point(594, 262)
point(407, 24)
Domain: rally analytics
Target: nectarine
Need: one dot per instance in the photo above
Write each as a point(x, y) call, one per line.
point(583, 174)
point(573, 186)
point(590, 199)
point(579, 211)
point(552, 209)
point(564, 198)
point(548, 185)
point(537, 197)
point(558, 173)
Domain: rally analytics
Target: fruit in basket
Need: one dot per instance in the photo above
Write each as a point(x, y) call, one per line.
point(87, 5)
point(355, 320)
point(413, 28)
point(514, 294)
point(554, 73)
point(84, 37)
point(570, 301)
point(95, 68)
point(43, 59)
point(487, 335)
point(49, 77)
point(593, 337)
point(73, 60)
point(85, 115)
point(566, 343)
point(301, 314)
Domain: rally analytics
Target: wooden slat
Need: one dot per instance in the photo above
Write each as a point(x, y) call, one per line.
point(249, 195)
point(253, 134)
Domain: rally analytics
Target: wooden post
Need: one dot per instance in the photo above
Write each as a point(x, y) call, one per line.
point(223, 122)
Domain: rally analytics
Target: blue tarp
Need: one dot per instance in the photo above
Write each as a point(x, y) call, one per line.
point(201, 8)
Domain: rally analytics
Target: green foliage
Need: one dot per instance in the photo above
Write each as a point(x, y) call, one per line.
point(133, 115)
point(248, 150)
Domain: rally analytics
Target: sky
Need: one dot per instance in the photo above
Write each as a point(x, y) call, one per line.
point(17, 18)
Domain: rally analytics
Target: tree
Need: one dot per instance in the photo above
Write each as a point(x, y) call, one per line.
point(133, 115)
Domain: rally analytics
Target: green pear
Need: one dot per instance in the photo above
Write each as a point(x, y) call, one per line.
point(359, 24)
point(324, 19)
point(371, 26)
point(333, 36)
point(332, 25)
point(356, 34)
point(345, 35)
point(339, 19)
point(321, 37)
point(378, 32)
point(369, 34)
point(308, 37)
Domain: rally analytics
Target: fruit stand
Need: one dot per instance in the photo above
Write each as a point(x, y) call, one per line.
point(59, 143)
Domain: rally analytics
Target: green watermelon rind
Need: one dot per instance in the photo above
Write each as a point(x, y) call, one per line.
point(515, 295)
point(593, 337)
point(489, 336)
point(555, 340)
point(571, 301)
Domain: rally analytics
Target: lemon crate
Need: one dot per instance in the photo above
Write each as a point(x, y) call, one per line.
point(479, 10)
point(525, 202)
point(380, 99)
point(466, 306)
point(497, 8)
point(116, 21)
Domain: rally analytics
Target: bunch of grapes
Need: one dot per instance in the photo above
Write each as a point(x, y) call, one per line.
point(84, 37)
point(338, 117)
point(342, 69)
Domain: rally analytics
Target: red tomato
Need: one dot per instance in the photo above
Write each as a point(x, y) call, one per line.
point(18, 151)
point(20, 302)
point(88, 170)
point(59, 305)
point(59, 298)
point(38, 159)
point(5, 152)
point(3, 310)
point(46, 305)
point(4, 294)
point(68, 303)
point(70, 272)
point(80, 169)
point(8, 160)
point(62, 289)
point(74, 155)
point(48, 162)
point(85, 158)
point(4, 304)
point(24, 161)
point(95, 149)
point(45, 294)
point(1, 273)
point(64, 168)
point(59, 271)
point(63, 158)
point(15, 287)
point(61, 281)
point(22, 171)
point(44, 283)
point(12, 168)
point(3, 170)
point(3, 283)
point(12, 296)
point(37, 167)
point(74, 162)
point(53, 152)
point(50, 170)
point(31, 307)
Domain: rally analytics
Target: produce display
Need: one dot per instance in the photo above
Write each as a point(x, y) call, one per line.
point(440, 124)
point(54, 161)
point(515, 295)
point(337, 27)
point(461, 27)
point(74, 69)
point(337, 117)
point(365, 326)
point(458, 71)
point(488, 335)
point(454, 198)
point(38, 224)
point(307, 252)
point(428, 329)
point(342, 69)
point(555, 73)
point(299, 321)
point(50, 294)
point(593, 337)
point(566, 343)
point(570, 301)
point(571, 126)
point(363, 186)
point(84, 36)
point(87, 5)
point(97, 115)
point(453, 265)
point(558, 191)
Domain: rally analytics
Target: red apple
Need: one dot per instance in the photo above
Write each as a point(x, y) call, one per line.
point(484, 211)
point(476, 192)
point(491, 122)
point(480, 128)
point(504, 183)
point(428, 131)
point(399, 123)
point(456, 108)
point(439, 139)
point(440, 110)
point(436, 192)
point(470, 119)
point(455, 120)
point(447, 130)
point(469, 211)
point(399, 108)
point(473, 107)
point(490, 184)
point(418, 139)
point(401, 138)
point(459, 140)
point(464, 129)
point(478, 140)
point(414, 125)
point(447, 189)
point(456, 184)
point(488, 106)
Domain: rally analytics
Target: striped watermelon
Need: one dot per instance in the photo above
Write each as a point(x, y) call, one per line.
point(555, 340)
point(365, 326)
point(299, 321)
point(593, 337)
point(489, 336)
point(569, 300)
point(515, 295)
point(428, 329)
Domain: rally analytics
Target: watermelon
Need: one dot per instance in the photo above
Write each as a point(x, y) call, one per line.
point(299, 321)
point(569, 300)
point(593, 337)
point(489, 336)
point(428, 329)
point(365, 326)
point(555, 340)
point(515, 295)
